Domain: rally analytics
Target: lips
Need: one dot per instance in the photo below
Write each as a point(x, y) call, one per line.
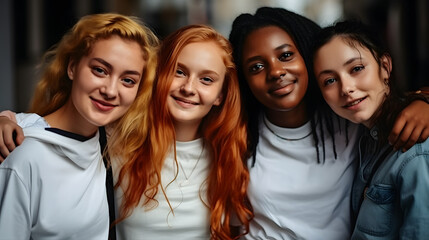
point(282, 87)
point(184, 102)
point(354, 102)
point(102, 105)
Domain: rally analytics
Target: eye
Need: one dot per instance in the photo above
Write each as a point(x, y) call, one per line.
point(179, 72)
point(206, 80)
point(358, 68)
point(285, 56)
point(329, 81)
point(128, 82)
point(99, 71)
point(256, 68)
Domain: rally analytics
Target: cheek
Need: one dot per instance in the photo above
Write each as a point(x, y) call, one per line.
point(85, 82)
point(256, 85)
point(209, 96)
point(79, 90)
point(304, 82)
point(175, 84)
point(299, 67)
point(330, 97)
point(129, 96)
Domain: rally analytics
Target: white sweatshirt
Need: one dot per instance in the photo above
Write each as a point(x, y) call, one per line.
point(53, 187)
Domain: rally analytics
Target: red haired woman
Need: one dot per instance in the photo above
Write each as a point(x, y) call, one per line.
point(183, 177)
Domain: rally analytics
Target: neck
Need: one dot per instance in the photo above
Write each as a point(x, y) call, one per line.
point(186, 132)
point(68, 119)
point(288, 119)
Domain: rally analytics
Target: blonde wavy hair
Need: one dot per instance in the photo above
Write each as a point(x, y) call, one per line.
point(54, 87)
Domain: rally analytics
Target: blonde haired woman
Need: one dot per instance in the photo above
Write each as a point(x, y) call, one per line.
point(53, 185)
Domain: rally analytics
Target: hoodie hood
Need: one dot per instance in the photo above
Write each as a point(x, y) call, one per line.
point(82, 153)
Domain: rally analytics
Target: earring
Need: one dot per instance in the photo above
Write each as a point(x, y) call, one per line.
point(386, 84)
point(386, 81)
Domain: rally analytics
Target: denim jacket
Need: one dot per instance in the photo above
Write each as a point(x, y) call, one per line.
point(395, 202)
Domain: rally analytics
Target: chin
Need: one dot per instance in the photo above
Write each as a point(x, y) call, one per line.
point(100, 121)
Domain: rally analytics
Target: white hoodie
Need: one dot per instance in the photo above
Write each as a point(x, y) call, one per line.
point(53, 187)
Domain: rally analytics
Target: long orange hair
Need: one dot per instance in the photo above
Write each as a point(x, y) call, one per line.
point(223, 130)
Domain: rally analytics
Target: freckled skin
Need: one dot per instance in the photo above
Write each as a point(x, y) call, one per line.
point(197, 86)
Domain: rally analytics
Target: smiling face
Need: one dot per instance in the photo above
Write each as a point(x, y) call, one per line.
point(105, 82)
point(197, 83)
point(351, 80)
point(274, 69)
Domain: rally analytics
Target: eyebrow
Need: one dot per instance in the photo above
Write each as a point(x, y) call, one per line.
point(108, 65)
point(352, 60)
point(277, 48)
point(344, 64)
point(206, 71)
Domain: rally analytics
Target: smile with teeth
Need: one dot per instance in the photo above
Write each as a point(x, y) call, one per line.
point(354, 102)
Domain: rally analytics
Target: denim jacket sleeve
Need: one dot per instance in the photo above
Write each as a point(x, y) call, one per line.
point(396, 202)
point(413, 181)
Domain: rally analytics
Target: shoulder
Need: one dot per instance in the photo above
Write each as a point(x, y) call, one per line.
point(25, 161)
point(414, 161)
point(418, 151)
point(24, 153)
point(25, 120)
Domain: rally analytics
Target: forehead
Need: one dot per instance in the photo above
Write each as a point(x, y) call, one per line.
point(268, 35)
point(119, 52)
point(203, 55)
point(265, 42)
point(339, 53)
point(340, 45)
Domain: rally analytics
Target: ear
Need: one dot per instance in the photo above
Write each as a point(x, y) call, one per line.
point(386, 66)
point(70, 70)
point(218, 100)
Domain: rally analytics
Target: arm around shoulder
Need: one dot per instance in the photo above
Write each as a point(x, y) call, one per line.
point(411, 125)
point(11, 136)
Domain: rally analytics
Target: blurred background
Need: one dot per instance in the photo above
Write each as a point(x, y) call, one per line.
point(29, 27)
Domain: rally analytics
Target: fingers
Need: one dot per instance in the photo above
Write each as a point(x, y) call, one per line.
point(410, 134)
point(424, 135)
point(9, 114)
point(7, 143)
point(11, 135)
point(408, 138)
point(18, 136)
point(4, 150)
point(396, 131)
point(411, 126)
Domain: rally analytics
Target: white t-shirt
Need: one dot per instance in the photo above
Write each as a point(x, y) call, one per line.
point(190, 218)
point(294, 197)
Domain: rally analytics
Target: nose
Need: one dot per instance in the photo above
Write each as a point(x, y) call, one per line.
point(347, 86)
point(109, 89)
point(188, 87)
point(277, 70)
